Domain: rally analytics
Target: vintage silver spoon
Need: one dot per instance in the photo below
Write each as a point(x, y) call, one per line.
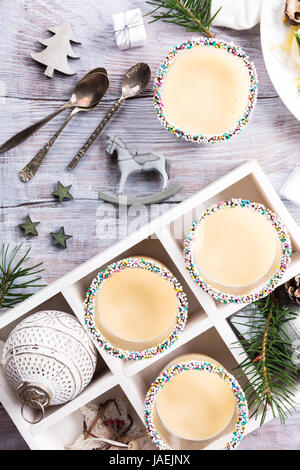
point(77, 99)
point(96, 85)
point(134, 82)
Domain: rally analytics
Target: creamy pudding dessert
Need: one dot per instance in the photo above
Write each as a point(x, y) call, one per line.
point(205, 91)
point(135, 308)
point(195, 405)
point(236, 248)
point(237, 251)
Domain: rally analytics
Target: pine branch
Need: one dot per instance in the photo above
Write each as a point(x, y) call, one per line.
point(263, 357)
point(297, 35)
point(194, 15)
point(269, 368)
point(15, 279)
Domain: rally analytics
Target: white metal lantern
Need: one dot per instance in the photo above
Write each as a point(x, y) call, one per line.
point(48, 359)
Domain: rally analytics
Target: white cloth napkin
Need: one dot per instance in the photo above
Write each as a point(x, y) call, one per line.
point(237, 14)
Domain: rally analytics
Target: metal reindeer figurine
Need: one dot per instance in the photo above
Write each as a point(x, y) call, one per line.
point(129, 163)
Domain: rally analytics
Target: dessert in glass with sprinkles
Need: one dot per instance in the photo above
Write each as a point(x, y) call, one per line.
point(237, 251)
point(195, 404)
point(135, 308)
point(205, 90)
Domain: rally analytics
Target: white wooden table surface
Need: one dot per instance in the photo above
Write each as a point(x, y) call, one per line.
point(272, 137)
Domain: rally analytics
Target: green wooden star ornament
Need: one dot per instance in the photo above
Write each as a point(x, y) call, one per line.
point(60, 238)
point(62, 192)
point(29, 227)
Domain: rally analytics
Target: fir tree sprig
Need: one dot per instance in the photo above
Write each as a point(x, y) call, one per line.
point(15, 279)
point(194, 15)
point(269, 367)
point(297, 36)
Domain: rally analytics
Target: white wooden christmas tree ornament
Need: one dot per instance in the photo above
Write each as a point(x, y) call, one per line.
point(58, 49)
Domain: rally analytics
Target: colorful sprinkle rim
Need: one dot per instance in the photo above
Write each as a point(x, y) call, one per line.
point(129, 263)
point(268, 287)
point(159, 82)
point(167, 374)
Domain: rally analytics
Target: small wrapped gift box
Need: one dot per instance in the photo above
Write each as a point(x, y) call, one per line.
point(129, 29)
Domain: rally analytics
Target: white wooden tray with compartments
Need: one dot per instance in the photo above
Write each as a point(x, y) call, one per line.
point(207, 331)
